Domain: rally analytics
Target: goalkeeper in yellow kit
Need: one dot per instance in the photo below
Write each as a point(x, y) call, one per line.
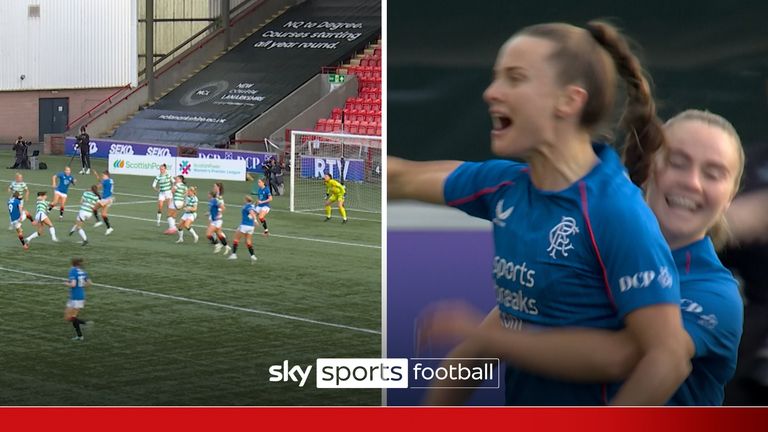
point(334, 192)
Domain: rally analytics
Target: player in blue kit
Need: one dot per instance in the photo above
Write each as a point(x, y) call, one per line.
point(61, 183)
point(249, 215)
point(561, 220)
point(264, 197)
point(107, 189)
point(693, 184)
point(77, 281)
point(16, 213)
point(214, 233)
point(20, 186)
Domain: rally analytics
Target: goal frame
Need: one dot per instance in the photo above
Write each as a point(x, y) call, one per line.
point(296, 133)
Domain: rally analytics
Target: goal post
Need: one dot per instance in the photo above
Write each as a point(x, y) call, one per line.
point(354, 160)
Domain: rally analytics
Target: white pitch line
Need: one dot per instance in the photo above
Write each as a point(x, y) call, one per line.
point(207, 303)
point(28, 283)
point(131, 202)
point(303, 212)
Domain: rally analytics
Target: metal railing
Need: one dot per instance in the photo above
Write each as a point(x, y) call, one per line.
point(214, 24)
point(90, 111)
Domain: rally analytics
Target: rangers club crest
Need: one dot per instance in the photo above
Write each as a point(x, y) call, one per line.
point(560, 237)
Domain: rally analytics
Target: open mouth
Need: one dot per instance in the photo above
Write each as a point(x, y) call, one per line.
point(500, 123)
point(682, 203)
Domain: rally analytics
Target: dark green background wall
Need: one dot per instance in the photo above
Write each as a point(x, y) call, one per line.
point(704, 54)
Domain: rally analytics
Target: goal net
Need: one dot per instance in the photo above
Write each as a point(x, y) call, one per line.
point(354, 160)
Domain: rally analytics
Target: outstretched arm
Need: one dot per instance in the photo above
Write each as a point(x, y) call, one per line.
point(573, 354)
point(466, 350)
point(747, 219)
point(421, 181)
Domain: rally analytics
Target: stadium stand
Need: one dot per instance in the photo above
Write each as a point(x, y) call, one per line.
point(360, 115)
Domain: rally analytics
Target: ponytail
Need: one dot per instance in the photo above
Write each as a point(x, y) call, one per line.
point(644, 133)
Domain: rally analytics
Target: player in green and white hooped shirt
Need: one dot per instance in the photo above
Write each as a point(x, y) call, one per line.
point(179, 191)
point(19, 186)
point(87, 204)
point(41, 218)
point(163, 184)
point(189, 216)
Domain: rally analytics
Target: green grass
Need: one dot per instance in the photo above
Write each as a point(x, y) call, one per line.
point(152, 343)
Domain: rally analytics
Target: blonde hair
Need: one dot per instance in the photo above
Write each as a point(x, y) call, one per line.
point(719, 232)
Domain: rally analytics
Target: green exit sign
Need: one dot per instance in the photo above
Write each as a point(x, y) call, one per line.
point(335, 78)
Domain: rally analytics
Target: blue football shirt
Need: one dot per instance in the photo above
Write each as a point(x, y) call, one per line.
point(79, 276)
point(14, 208)
point(713, 315)
point(213, 209)
point(264, 195)
point(106, 188)
point(585, 256)
point(64, 182)
point(246, 211)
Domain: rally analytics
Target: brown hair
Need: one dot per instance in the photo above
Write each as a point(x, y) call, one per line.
point(719, 232)
point(77, 262)
point(590, 57)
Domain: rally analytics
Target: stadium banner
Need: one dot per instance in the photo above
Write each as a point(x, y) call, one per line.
point(103, 148)
point(193, 168)
point(253, 160)
point(207, 168)
point(574, 419)
point(258, 73)
point(129, 164)
point(315, 167)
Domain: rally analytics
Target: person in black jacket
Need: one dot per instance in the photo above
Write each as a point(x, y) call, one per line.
point(20, 147)
point(84, 145)
point(276, 181)
point(266, 166)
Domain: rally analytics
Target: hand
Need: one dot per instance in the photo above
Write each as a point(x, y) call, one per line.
point(447, 323)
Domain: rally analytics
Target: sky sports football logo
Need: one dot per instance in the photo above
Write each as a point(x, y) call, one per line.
point(415, 373)
point(185, 167)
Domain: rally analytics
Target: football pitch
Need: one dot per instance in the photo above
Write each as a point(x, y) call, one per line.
point(176, 324)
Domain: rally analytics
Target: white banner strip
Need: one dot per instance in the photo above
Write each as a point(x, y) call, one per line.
point(192, 168)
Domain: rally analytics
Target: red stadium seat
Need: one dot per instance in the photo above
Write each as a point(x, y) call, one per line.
point(335, 125)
